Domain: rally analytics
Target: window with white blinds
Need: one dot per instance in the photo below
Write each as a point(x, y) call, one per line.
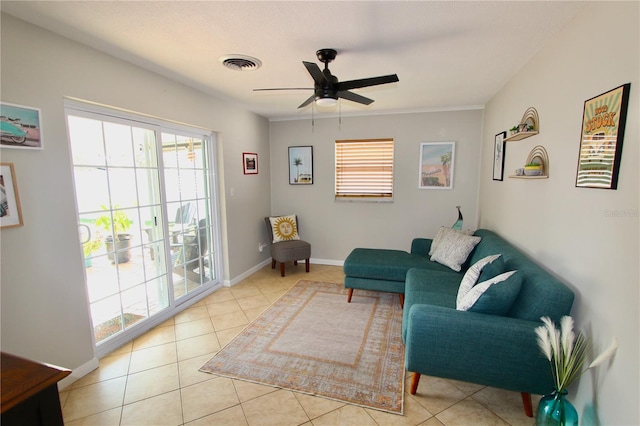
point(364, 169)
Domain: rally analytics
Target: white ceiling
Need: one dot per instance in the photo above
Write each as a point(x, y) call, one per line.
point(451, 54)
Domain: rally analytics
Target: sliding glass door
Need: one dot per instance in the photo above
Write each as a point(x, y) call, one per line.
point(146, 208)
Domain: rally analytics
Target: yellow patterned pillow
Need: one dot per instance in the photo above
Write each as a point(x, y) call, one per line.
point(284, 228)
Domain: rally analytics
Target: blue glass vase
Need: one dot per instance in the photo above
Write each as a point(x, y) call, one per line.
point(555, 410)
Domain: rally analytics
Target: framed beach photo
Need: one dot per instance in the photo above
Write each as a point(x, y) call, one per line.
point(498, 156)
point(20, 127)
point(300, 165)
point(436, 165)
point(250, 163)
point(10, 212)
point(603, 122)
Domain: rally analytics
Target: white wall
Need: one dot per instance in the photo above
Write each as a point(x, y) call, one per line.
point(588, 237)
point(44, 308)
point(335, 228)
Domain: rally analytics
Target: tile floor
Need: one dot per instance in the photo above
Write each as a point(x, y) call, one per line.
point(154, 380)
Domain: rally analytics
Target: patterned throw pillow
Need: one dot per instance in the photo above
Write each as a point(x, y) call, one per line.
point(454, 249)
point(442, 233)
point(493, 297)
point(472, 275)
point(284, 228)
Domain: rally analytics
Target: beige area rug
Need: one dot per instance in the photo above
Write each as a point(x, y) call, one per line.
point(312, 341)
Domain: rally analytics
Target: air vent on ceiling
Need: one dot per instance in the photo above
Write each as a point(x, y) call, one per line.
point(241, 62)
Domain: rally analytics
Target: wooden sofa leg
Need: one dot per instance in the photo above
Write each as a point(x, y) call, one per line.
point(307, 265)
point(415, 379)
point(401, 300)
point(526, 400)
point(349, 295)
point(282, 269)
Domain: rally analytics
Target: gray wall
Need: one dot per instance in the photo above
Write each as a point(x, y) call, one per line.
point(44, 307)
point(588, 237)
point(334, 228)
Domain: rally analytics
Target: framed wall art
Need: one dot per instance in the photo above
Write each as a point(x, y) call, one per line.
point(603, 122)
point(436, 165)
point(20, 127)
point(10, 213)
point(250, 163)
point(300, 165)
point(498, 156)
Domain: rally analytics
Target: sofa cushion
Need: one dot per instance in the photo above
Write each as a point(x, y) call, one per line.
point(380, 264)
point(284, 228)
point(471, 276)
point(494, 296)
point(454, 249)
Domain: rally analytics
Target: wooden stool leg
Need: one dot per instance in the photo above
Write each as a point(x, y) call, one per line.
point(295, 263)
point(307, 265)
point(415, 378)
point(273, 264)
point(282, 269)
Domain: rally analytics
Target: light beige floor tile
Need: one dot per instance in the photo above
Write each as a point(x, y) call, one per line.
point(414, 414)
point(221, 295)
point(316, 406)
point(126, 348)
point(149, 383)
point(225, 336)
point(468, 412)
point(280, 408)
point(254, 313)
point(507, 404)
point(189, 329)
point(154, 337)
point(272, 296)
point(247, 390)
point(105, 418)
point(165, 409)
point(191, 314)
point(93, 399)
point(252, 302)
point(233, 416)
point(109, 367)
point(207, 344)
point(349, 415)
point(433, 421)
point(466, 387)
point(189, 370)
point(225, 307)
point(437, 394)
point(205, 398)
point(152, 357)
point(230, 320)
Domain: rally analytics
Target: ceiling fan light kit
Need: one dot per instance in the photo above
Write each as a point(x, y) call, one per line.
point(327, 88)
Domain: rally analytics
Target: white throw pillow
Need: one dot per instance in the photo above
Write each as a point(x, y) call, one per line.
point(501, 299)
point(442, 232)
point(454, 249)
point(471, 276)
point(284, 228)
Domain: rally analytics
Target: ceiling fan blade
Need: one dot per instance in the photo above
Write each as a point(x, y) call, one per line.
point(283, 88)
point(315, 72)
point(365, 82)
point(308, 101)
point(350, 96)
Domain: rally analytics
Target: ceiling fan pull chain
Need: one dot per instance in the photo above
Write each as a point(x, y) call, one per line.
point(339, 114)
point(313, 117)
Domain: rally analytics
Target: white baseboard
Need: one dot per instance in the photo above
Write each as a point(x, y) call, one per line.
point(237, 279)
point(78, 373)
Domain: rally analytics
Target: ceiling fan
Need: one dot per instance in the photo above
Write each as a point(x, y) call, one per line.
point(327, 89)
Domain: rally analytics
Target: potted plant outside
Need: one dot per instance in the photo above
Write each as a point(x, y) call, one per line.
point(120, 240)
point(88, 248)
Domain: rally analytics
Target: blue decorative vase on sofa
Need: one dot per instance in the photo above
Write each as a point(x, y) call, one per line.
point(555, 410)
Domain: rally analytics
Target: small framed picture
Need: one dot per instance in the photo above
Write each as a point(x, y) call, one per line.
point(10, 213)
point(498, 156)
point(20, 127)
point(250, 163)
point(436, 165)
point(300, 165)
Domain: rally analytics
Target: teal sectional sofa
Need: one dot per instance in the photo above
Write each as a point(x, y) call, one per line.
point(494, 350)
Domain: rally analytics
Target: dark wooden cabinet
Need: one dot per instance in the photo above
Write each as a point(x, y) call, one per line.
point(30, 392)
